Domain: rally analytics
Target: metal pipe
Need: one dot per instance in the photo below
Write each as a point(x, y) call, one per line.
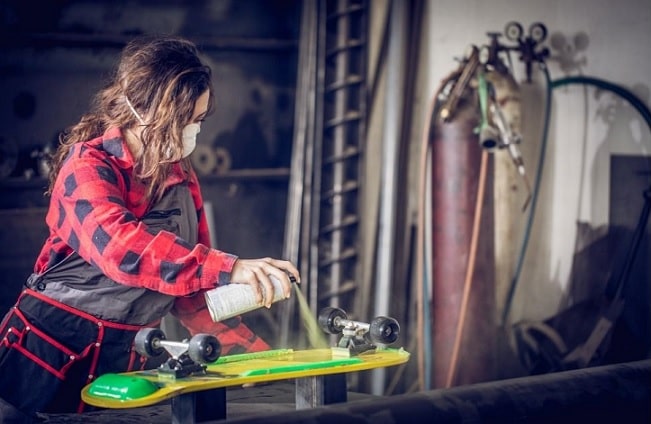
point(297, 221)
point(391, 141)
point(610, 393)
point(313, 243)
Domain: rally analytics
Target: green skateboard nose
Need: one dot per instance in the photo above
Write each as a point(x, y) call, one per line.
point(121, 387)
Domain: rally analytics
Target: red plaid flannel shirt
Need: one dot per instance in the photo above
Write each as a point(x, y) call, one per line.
point(95, 210)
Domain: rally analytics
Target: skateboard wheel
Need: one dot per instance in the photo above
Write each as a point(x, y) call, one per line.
point(204, 348)
point(147, 342)
point(328, 319)
point(384, 330)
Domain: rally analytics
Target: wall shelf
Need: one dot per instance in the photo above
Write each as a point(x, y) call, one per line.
point(117, 41)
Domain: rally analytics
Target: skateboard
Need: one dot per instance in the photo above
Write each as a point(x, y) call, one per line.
point(196, 375)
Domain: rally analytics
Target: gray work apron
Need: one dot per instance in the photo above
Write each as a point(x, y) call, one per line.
point(72, 323)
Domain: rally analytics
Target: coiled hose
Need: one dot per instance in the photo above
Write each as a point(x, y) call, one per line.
point(551, 85)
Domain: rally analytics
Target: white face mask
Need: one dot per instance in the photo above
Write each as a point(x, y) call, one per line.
point(133, 110)
point(190, 132)
point(189, 135)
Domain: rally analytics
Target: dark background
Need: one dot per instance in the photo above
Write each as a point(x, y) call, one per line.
point(56, 54)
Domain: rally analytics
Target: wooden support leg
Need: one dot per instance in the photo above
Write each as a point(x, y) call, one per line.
point(209, 405)
point(321, 390)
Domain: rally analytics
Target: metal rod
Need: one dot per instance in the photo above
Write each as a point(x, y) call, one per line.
point(298, 204)
point(389, 166)
point(313, 249)
point(618, 393)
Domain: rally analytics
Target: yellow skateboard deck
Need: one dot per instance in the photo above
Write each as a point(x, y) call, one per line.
point(145, 388)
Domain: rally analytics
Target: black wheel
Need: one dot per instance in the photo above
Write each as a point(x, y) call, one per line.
point(513, 31)
point(384, 330)
point(204, 348)
point(147, 342)
point(538, 32)
point(328, 317)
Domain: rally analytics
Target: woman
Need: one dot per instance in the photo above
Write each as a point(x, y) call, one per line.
point(128, 238)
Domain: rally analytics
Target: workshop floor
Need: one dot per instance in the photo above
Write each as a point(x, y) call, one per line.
point(241, 403)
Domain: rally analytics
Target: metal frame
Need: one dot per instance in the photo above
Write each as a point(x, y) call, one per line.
point(210, 405)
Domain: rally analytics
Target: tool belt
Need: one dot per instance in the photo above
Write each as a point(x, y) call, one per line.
point(85, 346)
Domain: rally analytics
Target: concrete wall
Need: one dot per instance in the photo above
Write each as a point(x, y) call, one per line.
point(585, 188)
point(602, 39)
point(590, 178)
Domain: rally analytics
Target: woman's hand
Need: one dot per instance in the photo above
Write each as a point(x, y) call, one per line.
point(256, 272)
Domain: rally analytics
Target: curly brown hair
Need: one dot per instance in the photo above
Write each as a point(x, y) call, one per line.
point(162, 77)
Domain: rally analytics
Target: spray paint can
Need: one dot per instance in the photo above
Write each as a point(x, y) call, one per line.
point(235, 299)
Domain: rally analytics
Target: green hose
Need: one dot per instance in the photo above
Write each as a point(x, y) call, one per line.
point(620, 91)
point(583, 80)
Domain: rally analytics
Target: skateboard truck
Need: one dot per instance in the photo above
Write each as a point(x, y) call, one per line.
point(186, 357)
point(358, 337)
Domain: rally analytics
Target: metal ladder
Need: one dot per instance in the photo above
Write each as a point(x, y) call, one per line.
point(322, 231)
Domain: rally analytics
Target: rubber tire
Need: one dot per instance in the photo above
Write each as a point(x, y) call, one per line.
point(327, 318)
point(146, 340)
point(384, 330)
point(204, 348)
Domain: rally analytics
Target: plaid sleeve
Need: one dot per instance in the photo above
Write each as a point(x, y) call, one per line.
point(233, 335)
point(88, 213)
